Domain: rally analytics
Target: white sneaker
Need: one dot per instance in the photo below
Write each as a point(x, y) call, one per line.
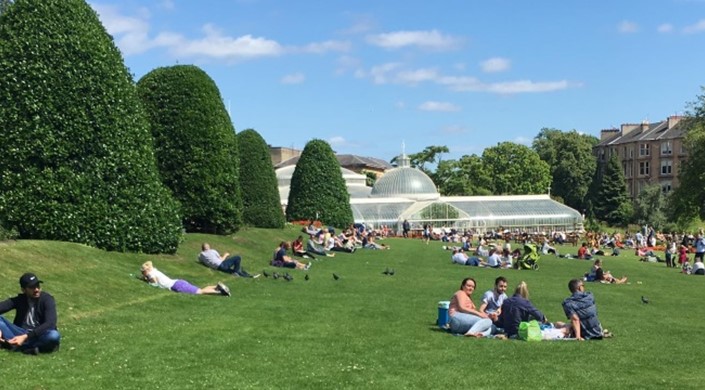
point(255, 276)
point(306, 268)
point(223, 289)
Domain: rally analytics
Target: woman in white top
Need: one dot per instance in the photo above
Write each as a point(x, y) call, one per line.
point(155, 277)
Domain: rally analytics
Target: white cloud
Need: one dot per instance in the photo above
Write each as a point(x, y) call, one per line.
point(454, 129)
point(665, 28)
point(132, 36)
point(380, 73)
point(424, 39)
point(413, 77)
point(325, 46)
point(525, 86)
point(522, 140)
point(695, 28)
point(627, 27)
point(438, 106)
point(495, 64)
point(338, 141)
point(294, 78)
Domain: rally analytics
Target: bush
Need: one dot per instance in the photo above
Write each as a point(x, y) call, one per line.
point(195, 145)
point(260, 193)
point(318, 188)
point(77, 158)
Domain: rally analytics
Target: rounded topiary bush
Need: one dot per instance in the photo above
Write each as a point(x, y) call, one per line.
point(318, 188)
point(195, 145)
point(77, 160)
point(260, 193)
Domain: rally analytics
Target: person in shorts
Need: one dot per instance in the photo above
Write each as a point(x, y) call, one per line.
point(157, 278)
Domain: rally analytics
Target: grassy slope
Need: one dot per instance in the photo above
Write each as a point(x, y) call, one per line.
point(365, 330)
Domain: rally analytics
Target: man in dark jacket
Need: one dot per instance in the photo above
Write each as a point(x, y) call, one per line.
point(581, 311)
point(34, 328)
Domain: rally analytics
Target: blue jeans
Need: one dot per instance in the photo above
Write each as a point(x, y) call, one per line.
point(231, 265)
point(464, 323)
point(47, 342)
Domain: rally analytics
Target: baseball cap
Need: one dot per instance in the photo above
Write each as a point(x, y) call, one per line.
point(29, 280)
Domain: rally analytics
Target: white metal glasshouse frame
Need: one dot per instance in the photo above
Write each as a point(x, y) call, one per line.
point(532, 213)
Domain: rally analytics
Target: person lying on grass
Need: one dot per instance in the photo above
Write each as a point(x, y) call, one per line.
point(282, 260)
point(34, 328)
point(155, 277)
point(465, 318)
point(225, 263)
point(581, 310)
point(518, 308)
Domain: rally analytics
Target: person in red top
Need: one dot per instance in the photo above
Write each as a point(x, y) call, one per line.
point(583, 252)
point(297, 249)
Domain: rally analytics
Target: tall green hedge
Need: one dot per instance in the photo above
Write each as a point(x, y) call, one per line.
point(318, 188)
point(260, 193)
point(77, 159)
point(196, 146)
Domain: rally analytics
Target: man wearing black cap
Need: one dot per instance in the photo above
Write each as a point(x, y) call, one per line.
point(34, 328)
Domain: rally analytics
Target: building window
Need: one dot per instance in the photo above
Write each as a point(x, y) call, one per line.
point(666, 187)
point(602, 154)
point(666, 148)
point(666, 167)
point(627, 169)
point(644, 169)
point(644, 150)
point(631, 152)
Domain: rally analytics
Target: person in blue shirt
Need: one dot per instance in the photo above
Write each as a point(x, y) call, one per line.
point(581, 310)
point(518, 308)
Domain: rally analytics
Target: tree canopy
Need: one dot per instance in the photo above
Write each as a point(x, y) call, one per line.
point(195, 145)
point(318, 189)
point(572, 164)
point(77, 157)
point(611, 201)
point(462, 177)
point(260, 193)
point(515, 169)
point(688, 200)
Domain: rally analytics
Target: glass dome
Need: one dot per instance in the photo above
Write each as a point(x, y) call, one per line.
point(405, 182)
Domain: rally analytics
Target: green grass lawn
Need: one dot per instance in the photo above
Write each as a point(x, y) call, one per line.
point(366, 330)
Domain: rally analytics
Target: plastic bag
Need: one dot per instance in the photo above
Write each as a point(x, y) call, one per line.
point(530, 331)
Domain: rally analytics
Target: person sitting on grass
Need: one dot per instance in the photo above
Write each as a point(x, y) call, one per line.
point(155, 277)
point(312, 246)
point(465, 318)
point(297, 249)
point(583, 253)
point(225, 263)
point(495, 259)
point(282, 260)
point(605, 277)
point(518, 308)
point(34, 328)
point(581, 311)
point(492, 301)
point(698, 267)
point(371, 244)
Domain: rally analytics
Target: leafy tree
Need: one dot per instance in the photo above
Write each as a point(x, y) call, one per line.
point(195, 145)
point(515, 169)
point(649, 207)
point(370, 178)
point(4, 5)
point(688, 200)
point(77, 158)
point(569, 155)
point(318, 189)
point(462, 177)
point(430, 155)
point(260, 193)
point(611, 203)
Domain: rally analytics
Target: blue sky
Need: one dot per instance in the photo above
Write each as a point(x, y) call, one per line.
point(369, 75)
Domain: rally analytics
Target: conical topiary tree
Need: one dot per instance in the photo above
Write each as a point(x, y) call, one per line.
point(260, 193)
point(195, 145)
point(611, 203)
point(77, 159)
point(318, 188)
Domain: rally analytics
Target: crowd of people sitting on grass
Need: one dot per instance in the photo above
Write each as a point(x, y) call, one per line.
point(500, 316)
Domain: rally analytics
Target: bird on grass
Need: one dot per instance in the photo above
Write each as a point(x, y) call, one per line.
point(275, 275)
point(336, 277)
point(386, 271)
point(306, 277)
point(288, 277)
point(391, 272)
point(265, 273)
point(644, 299)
